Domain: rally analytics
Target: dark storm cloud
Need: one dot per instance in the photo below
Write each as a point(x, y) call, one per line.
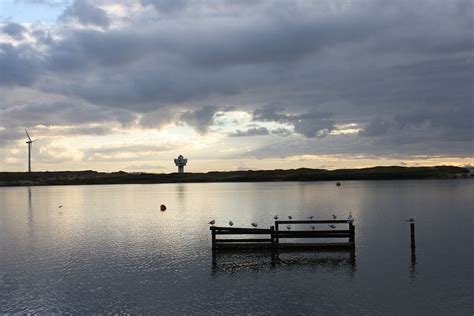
point(200, 119)
point(85, 50)
point(19, 65)
point(430, 99)
point(376, 127)
point(166, 6)
point(85, 13)
point(58, 113)
point(14, 30)
point(281, 132)
point(256, 131)
point(402, 71)
point(314, 124)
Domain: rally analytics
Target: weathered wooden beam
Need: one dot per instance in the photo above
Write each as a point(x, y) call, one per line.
point(244, 240)
point(335, 221)
point(238, 229)
point(288, 236)
point(242, 232)
point(322, 232)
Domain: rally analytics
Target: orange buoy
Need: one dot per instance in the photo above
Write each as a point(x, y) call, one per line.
point(163, 207)
point(338, 184)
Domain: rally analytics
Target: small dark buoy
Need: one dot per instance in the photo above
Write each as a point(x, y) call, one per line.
point(338, 184)
point(163, 207)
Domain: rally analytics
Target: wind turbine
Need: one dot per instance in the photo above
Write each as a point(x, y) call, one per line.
point(29, 142)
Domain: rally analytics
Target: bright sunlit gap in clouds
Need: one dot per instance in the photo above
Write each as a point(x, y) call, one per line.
point(131, 84)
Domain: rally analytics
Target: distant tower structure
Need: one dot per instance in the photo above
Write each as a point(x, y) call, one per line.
point(181, 162)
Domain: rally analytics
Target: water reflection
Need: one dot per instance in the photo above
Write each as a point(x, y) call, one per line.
point(232, 261)
point(413, 264)
point(30, 215)
point(181, 190)
point(413, 252)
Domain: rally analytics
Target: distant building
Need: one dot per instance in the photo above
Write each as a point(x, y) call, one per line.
point(180, 162)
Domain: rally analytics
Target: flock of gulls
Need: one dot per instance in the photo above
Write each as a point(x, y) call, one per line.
point(350, 219)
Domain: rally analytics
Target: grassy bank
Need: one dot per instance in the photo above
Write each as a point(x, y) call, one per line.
point(303, 174)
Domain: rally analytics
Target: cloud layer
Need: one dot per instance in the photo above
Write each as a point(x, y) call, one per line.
point(401, 72)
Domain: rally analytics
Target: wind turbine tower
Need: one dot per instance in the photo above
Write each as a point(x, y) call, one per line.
point(29, 142)
point(180, 162)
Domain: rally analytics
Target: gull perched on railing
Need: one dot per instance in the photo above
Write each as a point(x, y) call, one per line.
point(310, 217)
point(334, 216)
point(231, 223)
point(332, 226)
point(212, 222)
point(254, 224)
point(290, 217)
point(275, 217)
point(288, 227)
point(411, 220)
point(350, 219)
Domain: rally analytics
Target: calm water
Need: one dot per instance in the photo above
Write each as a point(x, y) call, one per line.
point(110, 249)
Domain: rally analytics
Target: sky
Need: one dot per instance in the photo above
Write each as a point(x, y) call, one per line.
point(235, 85)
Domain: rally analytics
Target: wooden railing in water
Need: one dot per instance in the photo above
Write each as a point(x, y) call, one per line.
point(274, 235)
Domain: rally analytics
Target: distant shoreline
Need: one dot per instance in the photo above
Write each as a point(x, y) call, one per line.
point(90, 177)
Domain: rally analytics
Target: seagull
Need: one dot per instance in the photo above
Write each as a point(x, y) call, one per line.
point(334, 216)
point(411, 220)
point(288, 227)
point(254, 224)
point(212, 222)
point(275, 217)
point(231, 223)
point(313, 227)
point(310, 217)
point(332, 226)
point(60, 206)
point(290, 217)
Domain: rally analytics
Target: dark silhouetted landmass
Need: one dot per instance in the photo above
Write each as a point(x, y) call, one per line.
point(302, 174)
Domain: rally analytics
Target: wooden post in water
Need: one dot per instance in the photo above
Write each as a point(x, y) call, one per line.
point(352, 234)
point(272, 236)
point(213, 230)
point(277, 240)
point(412, 235)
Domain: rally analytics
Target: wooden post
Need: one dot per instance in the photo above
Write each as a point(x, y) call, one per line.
point(352, 234)
point(277, 240)
point(412, 235)
point(213, 230)
point(272, 235)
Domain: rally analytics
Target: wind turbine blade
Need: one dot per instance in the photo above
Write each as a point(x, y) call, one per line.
point(34, 140)
point(27, 134)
